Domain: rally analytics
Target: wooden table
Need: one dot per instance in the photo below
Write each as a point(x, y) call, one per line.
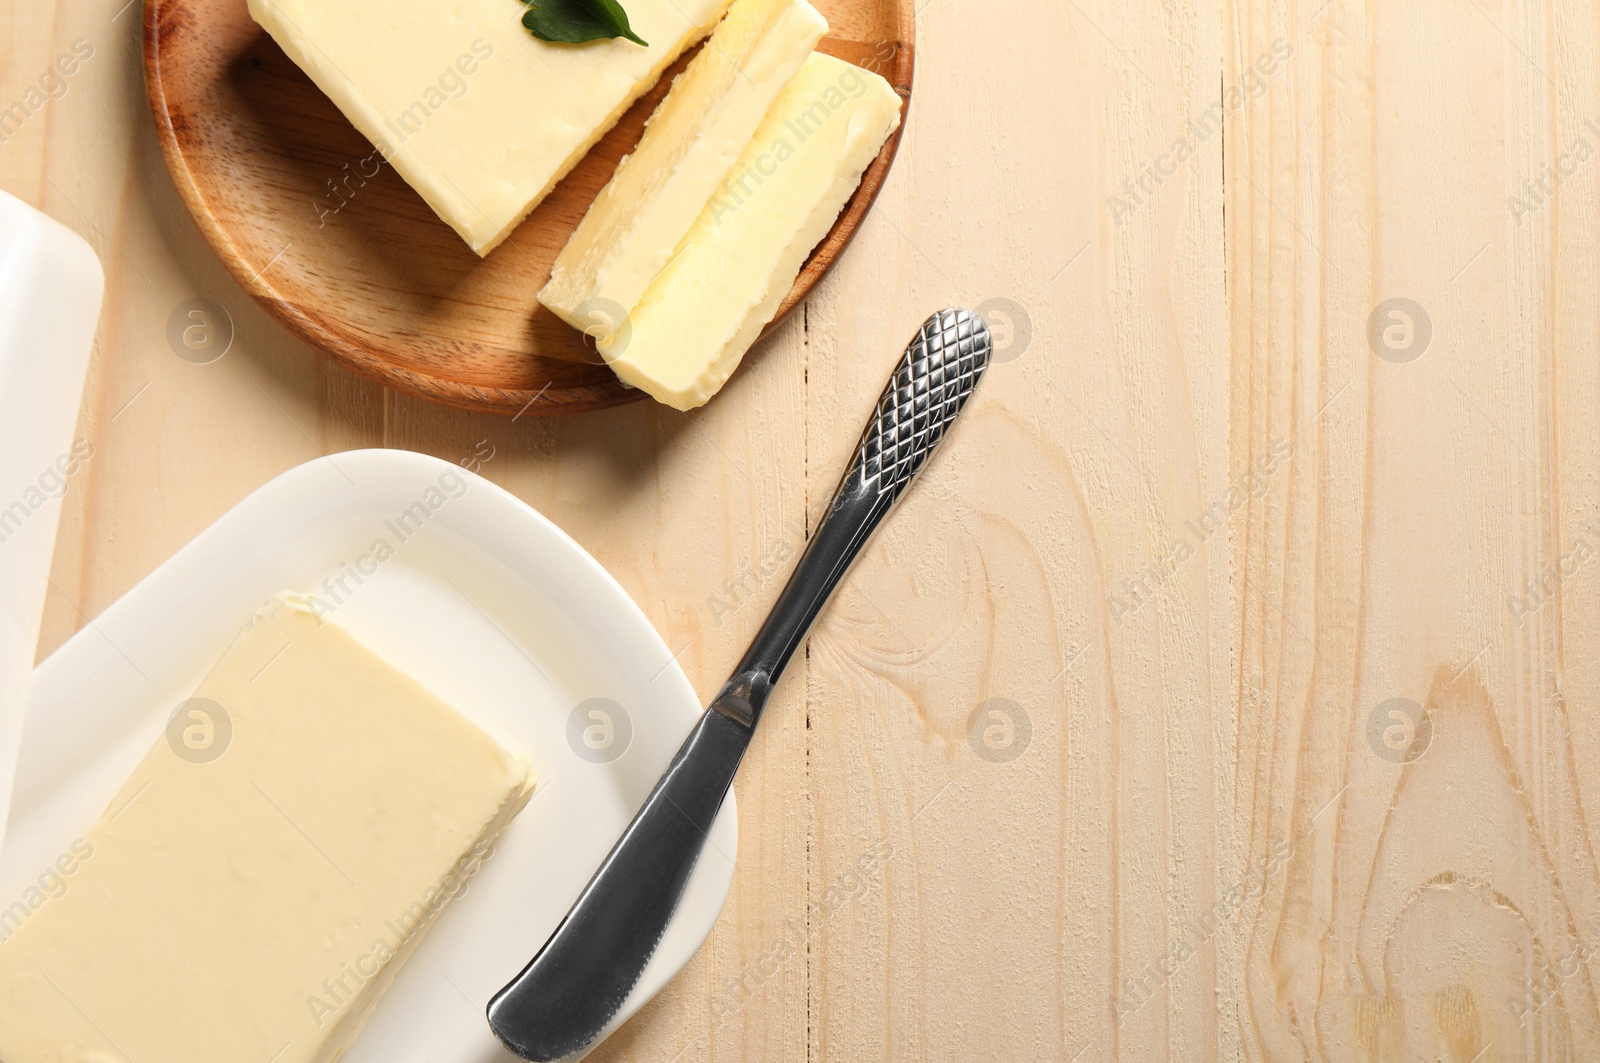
point(1227, 690)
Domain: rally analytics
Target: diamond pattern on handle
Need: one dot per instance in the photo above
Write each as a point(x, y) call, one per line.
point(935, 376)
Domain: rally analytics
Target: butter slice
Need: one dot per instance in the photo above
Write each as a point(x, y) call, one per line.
point(732, 270)
point(254, 906)
point(479, 116)
point(689, 146)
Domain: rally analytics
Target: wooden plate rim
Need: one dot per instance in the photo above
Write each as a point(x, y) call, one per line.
point(506, 401)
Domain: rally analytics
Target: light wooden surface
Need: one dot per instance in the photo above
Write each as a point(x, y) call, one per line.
point(1196, 536)
point(1433, 539)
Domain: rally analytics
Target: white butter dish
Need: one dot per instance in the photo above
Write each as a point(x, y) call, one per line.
point(50, 289)
point(482, 600)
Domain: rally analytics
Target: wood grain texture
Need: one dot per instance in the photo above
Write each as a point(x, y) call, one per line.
point(1037, 751)
point(1194, 534)
point(1428, 169)
point(313, 223)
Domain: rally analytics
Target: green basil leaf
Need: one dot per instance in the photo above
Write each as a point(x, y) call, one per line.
point(577, 21)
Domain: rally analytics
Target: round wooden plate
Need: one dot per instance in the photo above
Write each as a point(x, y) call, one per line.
point(340, 249)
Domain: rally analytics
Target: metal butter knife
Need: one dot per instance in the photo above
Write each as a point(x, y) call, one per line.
point(564, 1000)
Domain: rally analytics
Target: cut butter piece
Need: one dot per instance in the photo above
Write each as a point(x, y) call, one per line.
point(738, 261)
point(690, 144)
point(253, 905)
point(479, 116)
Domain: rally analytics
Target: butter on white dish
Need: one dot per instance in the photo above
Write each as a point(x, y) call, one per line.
point(690, 144)
point(479, 116)
point(254, 887)
point(732, 270)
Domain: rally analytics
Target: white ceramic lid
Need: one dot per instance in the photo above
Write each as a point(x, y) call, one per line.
point(50, 288)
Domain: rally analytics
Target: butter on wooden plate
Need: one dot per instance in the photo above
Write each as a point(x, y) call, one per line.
point(729, 274)
point(477, 115)
point(255, 886)
point(692, 141)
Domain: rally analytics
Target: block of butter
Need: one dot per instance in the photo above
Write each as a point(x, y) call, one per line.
point(256, 884)
point(726, 279)
point(480, 117)
point(688, 148)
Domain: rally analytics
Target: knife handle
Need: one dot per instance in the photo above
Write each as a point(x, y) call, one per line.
point(926, 392)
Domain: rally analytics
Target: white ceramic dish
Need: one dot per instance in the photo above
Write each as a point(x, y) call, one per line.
point(488, 604)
